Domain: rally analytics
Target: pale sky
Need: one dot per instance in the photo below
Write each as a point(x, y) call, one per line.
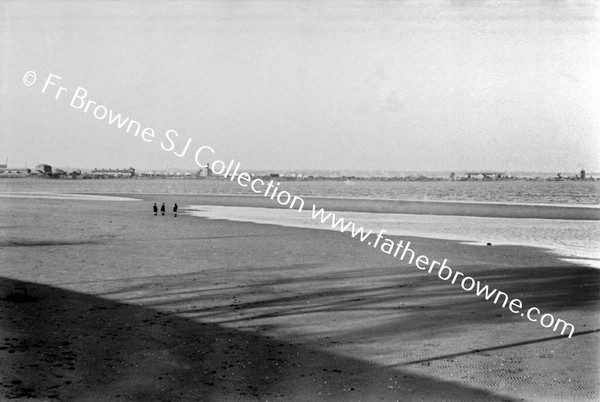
point(393, 85)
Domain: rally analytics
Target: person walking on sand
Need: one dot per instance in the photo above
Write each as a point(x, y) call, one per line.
point(175, 210)
point(155, 208)
point(162, 209)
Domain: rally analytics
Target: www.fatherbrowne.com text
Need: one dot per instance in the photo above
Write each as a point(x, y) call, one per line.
point(400, 249)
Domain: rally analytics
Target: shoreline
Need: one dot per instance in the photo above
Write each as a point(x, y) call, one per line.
point(341, 204)
point(234, 309)
point(573, 240)
point(379, 205)
point(579, 252)
point(496, 210)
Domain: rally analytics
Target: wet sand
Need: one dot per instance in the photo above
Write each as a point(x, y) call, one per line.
point(104, 301)
point(453, 208)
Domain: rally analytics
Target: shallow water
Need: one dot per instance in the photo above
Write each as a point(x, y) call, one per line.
point(577, 241)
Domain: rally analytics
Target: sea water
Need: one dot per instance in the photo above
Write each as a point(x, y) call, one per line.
point(536, 192)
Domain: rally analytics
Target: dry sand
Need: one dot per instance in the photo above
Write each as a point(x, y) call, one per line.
point(104, 301)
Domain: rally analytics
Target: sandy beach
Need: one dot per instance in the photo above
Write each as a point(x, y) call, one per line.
point(378, 201)
point(101, 300)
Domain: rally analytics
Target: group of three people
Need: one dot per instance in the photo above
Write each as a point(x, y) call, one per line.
point(162, 209)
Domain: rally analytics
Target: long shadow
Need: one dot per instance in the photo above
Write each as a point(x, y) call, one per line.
point(49, 243)
point(512, 345)
point(27, 243)
point(59, 344)
point(424, 301)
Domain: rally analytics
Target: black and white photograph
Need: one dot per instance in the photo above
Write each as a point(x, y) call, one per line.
point(297, 200)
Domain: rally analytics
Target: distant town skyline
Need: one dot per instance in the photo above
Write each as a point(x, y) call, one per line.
point(320, 172)
point(426, 86)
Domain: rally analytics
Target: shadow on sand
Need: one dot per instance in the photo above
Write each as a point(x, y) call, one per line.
point(61, 344)
point(419, 304)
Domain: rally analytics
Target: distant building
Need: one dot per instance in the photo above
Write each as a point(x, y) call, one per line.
point(43, 168)
point(204, 171)
point(582, 174)
point(485, 175)
point(147, 174)
point(112, 173)
point(14, 172)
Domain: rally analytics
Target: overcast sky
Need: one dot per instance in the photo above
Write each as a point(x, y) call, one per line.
point(393, 85)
